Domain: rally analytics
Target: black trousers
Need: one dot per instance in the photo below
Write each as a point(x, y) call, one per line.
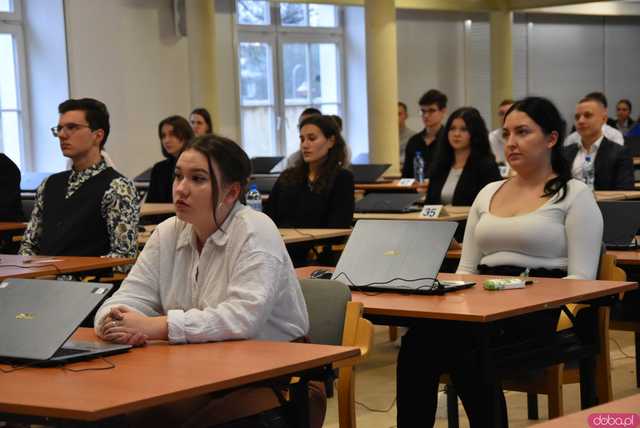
point(433, 347)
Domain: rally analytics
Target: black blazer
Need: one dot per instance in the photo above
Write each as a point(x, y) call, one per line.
point(416, 143)
point(297, 206)
point(10, 202)
point(613, 166)
point(476, 174)
point(161, 182)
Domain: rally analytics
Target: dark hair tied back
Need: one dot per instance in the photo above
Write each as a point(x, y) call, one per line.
point(232, 162)
point(546, 115)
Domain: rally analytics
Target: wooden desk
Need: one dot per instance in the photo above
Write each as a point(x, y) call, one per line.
point(632, 194)
point(392, 185)
point(156, 209)
point(617, 195)
point(630, 257)
point(454, 214)
point(12, 226)
point(157, 374)
point(480, 307)
point(12, 266)
point(610, 195)
point(581, 419)
point(290, 236)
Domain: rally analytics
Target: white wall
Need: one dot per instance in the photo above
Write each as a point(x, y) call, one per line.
point(565, 57)
point(48, 83)
point(562, 57)
point(435, 51)
point(125, 53)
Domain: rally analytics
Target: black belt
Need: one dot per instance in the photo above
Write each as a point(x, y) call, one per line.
point(507, 270)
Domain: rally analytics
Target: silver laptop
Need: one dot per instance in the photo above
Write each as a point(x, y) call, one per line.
point(397, 256)
point(621, 223)
point(37, 317)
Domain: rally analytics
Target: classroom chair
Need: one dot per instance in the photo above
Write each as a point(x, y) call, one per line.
point(551, 379)
point(336, 320)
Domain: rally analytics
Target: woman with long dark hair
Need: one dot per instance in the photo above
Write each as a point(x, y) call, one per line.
point(317, 191)
point(463, 164)
point(200, 120)
point(174, 132)
point(540, 222)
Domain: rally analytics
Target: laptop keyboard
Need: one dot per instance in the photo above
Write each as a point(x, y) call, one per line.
point(65, 352)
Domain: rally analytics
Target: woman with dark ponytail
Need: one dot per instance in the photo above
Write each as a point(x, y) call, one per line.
point(540, 222)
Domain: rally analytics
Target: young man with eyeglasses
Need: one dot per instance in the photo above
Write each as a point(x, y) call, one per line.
point(90, 210)
point(433, 108)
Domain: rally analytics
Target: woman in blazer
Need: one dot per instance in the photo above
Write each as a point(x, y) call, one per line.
point(464, 163)
point(174, 132)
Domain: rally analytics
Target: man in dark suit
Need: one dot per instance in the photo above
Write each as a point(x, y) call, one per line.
point(10, 204)
point(613, 165)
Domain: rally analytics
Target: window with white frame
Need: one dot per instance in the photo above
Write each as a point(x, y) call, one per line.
point(290, 58)
point(13, 112)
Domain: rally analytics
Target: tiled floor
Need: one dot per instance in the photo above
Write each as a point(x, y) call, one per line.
point(375, 387)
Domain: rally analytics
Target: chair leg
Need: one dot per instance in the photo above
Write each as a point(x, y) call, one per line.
point(393, 333)
point(588, 394)
point(603, 360)
point(453, 418)
point(532, 406)
point(346, 398)
point(555, 403)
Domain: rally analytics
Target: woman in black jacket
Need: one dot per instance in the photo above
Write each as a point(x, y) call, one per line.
point(174, 132)
point(464, 164)
point(317, 192)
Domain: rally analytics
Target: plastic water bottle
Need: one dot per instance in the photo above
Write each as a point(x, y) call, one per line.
point(254, 199)
point(418, 167)
point(588, 172)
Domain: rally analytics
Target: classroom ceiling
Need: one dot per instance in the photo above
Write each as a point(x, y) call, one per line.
point(574, 7)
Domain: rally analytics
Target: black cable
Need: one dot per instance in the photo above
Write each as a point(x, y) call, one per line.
point(110, 366)
point(435, 286)
point(309, 235)
point(620, 349)
point(16, 367)
point(34, 264)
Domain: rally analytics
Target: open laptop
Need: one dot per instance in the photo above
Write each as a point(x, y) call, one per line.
point(368, 173)
point(388, 203)
point(37, 317)
point(264, 182)
point(621, 223)
point(264, 164)
point(397, 256)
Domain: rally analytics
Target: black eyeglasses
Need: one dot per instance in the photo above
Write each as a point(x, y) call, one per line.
point(69, 128)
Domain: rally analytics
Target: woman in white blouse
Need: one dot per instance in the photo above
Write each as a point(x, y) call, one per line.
point(217, 271)
point(540, 222)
